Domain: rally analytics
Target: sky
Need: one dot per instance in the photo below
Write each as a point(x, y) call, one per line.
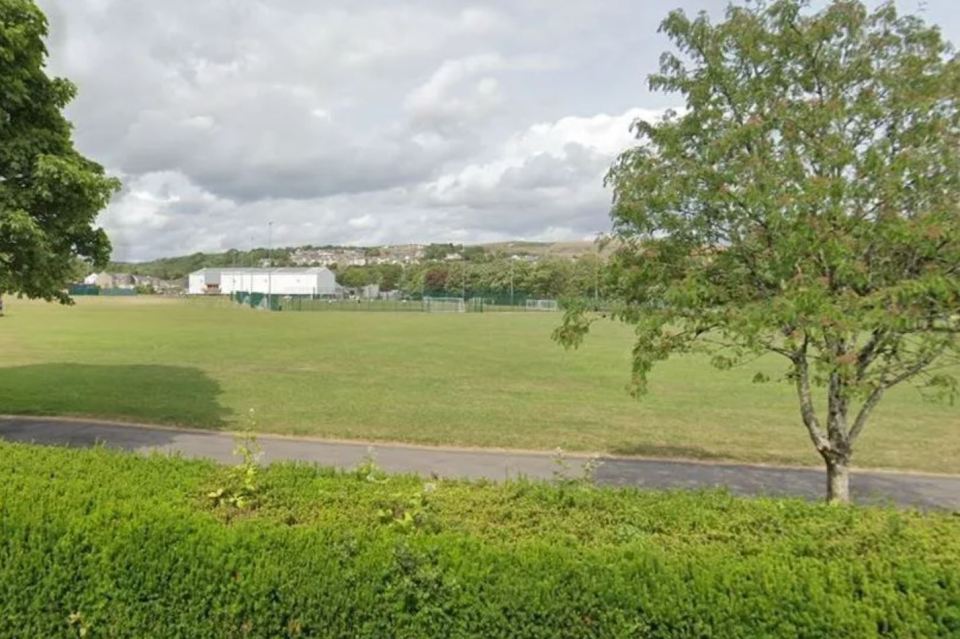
point(362, 122)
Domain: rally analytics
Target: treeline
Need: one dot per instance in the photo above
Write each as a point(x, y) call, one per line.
point(495, 276)
point(174, 268)
point(474, 272)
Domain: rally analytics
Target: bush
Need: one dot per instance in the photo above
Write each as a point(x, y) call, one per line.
point(107, 544)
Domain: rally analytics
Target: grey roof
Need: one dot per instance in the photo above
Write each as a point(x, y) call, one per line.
point(255, 270)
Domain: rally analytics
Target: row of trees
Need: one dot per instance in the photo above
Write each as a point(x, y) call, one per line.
point(497, 276)
point(387, 275)
point(174, 268)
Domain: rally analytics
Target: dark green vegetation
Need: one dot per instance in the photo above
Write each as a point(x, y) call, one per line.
point(805, 205)
point(176, 267)
point(103, 544)
point(486, 379)
point(50, 195)
point(550, 278)
point(497, 277)
point(478, 274)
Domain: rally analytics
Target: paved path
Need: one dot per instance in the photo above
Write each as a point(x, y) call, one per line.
point(925, 491)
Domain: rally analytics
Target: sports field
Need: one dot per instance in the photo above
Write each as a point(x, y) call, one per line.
point(460, 379)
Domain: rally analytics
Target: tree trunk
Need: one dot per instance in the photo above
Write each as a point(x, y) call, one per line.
point(838, 481)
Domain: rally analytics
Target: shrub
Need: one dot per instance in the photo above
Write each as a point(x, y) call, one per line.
point(113, 545)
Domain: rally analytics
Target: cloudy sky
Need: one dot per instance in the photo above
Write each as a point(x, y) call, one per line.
point(361, 122)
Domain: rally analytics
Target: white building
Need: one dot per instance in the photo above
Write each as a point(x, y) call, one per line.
point(111, 280)
point(278, 281)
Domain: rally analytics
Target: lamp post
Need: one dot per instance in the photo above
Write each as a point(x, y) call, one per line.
point(250, 272)
point(270, 265)
point(596, 280)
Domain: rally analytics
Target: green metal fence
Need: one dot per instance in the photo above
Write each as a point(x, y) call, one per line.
point(83, 289)
point(257, 300)
point(478, 304)
point(92, 289)
point(328, 304)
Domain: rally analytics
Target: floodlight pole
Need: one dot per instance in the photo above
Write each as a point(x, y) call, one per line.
point(511, 280)
point(596, 281)
point(270, 265)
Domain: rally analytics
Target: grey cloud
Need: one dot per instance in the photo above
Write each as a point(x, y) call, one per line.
point(336, 122)
point(356, 122)
point(544, 170)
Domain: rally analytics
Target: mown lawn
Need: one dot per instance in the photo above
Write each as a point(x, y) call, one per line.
point(463, 379)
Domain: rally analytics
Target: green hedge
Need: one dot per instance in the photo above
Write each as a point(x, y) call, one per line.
point(112, 545)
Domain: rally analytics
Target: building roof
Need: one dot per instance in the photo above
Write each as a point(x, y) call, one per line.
point(256, 270)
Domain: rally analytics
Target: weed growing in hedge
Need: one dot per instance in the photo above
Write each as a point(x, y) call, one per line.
point(565, 475)
point(410, 512)
point(241, 489)
point(369, 470)
point(77, 624)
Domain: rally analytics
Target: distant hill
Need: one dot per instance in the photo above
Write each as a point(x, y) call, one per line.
point(172, 268)
point(547, 249)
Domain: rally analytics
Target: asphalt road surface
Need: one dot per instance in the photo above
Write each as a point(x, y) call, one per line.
point(904, 489)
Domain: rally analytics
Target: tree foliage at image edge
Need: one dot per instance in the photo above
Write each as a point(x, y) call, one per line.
point(50, 195)
point(803, 203)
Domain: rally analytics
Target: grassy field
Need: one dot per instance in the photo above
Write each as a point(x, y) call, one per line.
point(460, 379)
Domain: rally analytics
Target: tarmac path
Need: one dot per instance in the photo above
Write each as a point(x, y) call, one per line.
point(891, 487)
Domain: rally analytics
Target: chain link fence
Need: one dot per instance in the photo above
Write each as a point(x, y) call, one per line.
point(425, 304)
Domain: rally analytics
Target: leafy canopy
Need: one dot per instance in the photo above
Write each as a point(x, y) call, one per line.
point(49, 194)
point(804, 201)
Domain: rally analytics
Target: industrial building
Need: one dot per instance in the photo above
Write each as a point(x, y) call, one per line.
point(276, 281)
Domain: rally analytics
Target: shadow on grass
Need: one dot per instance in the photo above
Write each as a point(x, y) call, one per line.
point(156, 394)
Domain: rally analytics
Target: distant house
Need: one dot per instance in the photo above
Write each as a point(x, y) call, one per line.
point(278, 281)
point(110, 280)
point(124, 280)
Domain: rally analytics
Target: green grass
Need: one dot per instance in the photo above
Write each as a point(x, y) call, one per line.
point(462, 379)
point(99, 543)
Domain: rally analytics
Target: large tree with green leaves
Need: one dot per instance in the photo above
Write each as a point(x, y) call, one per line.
point(803, 202)
point(49, 194)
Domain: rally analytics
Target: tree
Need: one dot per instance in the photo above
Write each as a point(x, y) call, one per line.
point(803, 203)
point(390, 276)
point(50, 195)
point(435, 278)
point(357, 276)
point(440, 251)
point(475, 253)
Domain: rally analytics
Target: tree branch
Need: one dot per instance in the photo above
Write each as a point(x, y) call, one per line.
point(868, 353)
point(872, 400)
point(918, 366)
point(807, 410)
